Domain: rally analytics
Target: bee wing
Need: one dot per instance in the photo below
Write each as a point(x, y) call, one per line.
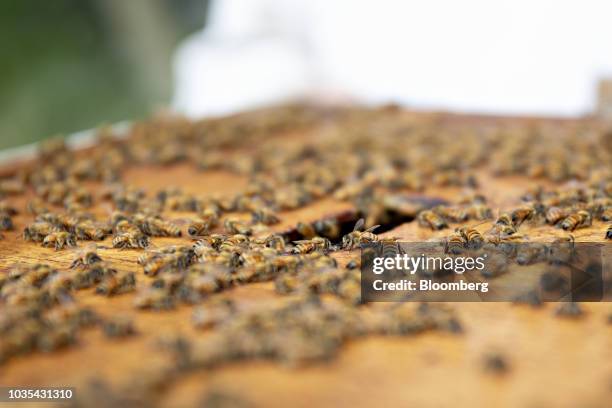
point(372, 228)
point(359, 224)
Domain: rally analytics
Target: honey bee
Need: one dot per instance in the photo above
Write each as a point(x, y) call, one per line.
point(455, 244)
point(329, 228)
point(576, 220)
point(609, 232)
point(156, 226)
point(87, 230)
point(155, 264)
point(505, 219)
point(265, 216)
point(479, 212)
point(522, 214)
point(131, 239)
point(235, 226)
point(306, 230)
point(87, 256)
point(309, 245)
point(37, 231)
point(473, 238)
point(431, 220)
point(116, 284)
point(154, 298)
point(199, 227)
point(357, 237)
point(118, 326)
point(276, 242)
point(606, 215)
point(59, 240)
point(452, 214)
point(555, 215)
point(210, 316)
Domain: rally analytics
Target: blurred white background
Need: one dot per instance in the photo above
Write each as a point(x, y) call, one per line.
point(517, 57)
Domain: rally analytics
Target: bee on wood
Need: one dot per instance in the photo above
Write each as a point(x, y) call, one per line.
point(431, 220)
point(473, 238)
point(199, 227)
point(455, 243)
point(522, 214)
point(606, 215)
point(479, 212)
point(357, 237)
point(579, 219)
point(452, 214)
point(555, 215)
point(37, 231)
point(182, 202)
point(306, 230)
point(116, 284)
point(131, 239)
point(309, 245)
point(208, 316)
point(154, 298)
point(264, 215)
point(329, 228)
point(56, 337)
point(87, 230)
point(156, 226)
point(59, 240)
point(58, 285)
point(276, 242)
point(87, 256)
point(235, 226)
point(504, 219)
point(118, 326)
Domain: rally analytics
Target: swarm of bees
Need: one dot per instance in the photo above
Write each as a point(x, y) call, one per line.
point(379, 161)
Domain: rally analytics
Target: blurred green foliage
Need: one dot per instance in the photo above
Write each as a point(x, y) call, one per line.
point(69, 65)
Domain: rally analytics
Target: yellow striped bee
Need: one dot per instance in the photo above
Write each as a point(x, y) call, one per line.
point(198, 228)
point(130, 239)
point(235, 226)
point(59, 240)
point(455, 243)
point(357, 237)
point(555, 215)
point(504, 219)
point(522, 214)
point(479, 212)
point(86, 256)
point(576, 220)
point(264, 215)
point(452, 214)
point(431, 220)
point(473, 238)
point(309, 245)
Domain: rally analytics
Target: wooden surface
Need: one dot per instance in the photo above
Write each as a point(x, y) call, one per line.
point(553, 361)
